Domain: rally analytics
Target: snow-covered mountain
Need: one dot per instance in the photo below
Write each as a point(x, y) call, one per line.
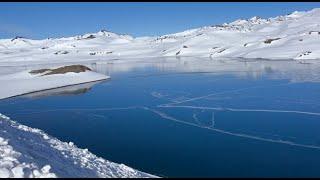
point(293, 36)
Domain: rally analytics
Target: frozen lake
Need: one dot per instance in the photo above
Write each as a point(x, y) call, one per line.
point(189, 117)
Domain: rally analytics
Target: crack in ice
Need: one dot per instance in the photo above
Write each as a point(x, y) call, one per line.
point(166, 116)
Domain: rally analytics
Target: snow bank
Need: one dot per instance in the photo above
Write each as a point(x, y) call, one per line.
point(29, 152)
point(25, 82)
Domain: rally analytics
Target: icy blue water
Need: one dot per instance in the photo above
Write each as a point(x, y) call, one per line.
point(190, 117)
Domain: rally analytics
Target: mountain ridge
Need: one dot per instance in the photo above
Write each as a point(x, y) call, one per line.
point(292, 36)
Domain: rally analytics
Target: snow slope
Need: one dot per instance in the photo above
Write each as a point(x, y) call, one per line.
point(293, 36)
point(29, 152)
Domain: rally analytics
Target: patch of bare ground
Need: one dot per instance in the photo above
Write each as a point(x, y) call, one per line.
point(39, 71)
point(62, 70)
point(268, 41)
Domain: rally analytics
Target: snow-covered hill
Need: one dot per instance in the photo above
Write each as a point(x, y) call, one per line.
point(294, 36)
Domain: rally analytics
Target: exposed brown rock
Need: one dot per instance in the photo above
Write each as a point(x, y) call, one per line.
point(66, 69)
point(39, 71)
point(268, 41)
point(62, 70)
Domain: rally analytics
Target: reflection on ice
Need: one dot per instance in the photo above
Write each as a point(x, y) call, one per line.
point(63, 91)
point(254, 68)
point(308, 71)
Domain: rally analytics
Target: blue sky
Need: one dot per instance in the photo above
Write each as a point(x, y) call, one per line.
point(42, 20)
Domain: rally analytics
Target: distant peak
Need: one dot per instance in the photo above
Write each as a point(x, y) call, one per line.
point(255, 18)
point(103, 30)
point(237, 22)
point(18, 37)
point(296, 14)
point(315, 11)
